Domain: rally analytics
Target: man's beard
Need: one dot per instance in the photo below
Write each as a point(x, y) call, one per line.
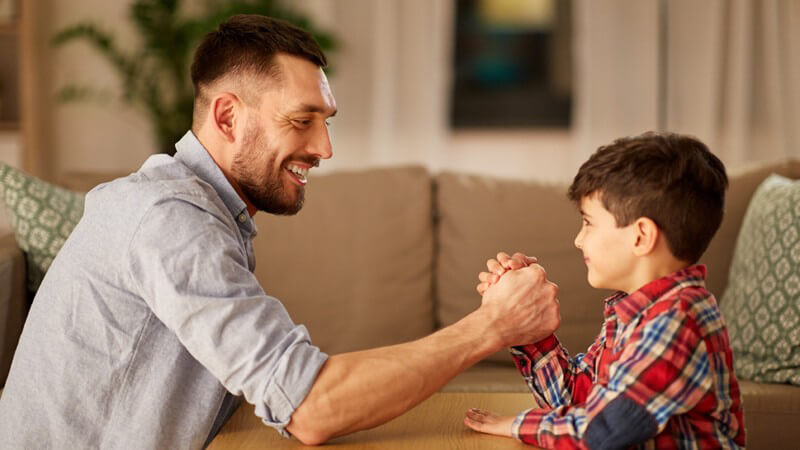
point(252, 170)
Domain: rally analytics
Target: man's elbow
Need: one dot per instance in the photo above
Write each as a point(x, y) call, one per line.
point(310, 436)
point(307, 430)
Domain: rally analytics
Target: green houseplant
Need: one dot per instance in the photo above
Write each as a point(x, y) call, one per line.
point(155, 76)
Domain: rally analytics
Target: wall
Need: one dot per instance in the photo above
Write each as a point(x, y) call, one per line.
point(392, 78)
point(104, 135)
point(390, 82)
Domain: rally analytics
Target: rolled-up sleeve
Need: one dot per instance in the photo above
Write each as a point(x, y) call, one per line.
point(189, 263)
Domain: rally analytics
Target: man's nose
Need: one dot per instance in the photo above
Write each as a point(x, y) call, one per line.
point(579, 240)
point(320, 144)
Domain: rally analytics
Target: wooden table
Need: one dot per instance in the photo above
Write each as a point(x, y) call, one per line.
point(436, 423)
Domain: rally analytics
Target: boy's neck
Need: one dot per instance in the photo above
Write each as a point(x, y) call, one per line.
point(650, 269)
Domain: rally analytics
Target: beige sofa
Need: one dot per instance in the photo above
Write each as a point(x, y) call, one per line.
point(389, 255)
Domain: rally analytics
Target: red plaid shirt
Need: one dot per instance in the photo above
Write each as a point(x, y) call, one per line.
point(659, 375)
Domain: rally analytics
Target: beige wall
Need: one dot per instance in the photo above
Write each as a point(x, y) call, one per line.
point(101, 136)
point(392, 81)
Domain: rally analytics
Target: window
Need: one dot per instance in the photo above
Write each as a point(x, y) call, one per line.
point(513, 64)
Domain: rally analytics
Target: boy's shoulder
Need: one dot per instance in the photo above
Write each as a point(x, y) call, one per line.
point(690, 304)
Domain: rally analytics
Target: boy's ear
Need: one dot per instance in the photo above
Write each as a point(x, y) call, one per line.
point(647, 233)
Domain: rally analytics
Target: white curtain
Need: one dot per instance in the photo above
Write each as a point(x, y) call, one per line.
point(744, 76)
point(726, 71)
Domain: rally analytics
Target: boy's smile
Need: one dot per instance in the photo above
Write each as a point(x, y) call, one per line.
point(607, 248)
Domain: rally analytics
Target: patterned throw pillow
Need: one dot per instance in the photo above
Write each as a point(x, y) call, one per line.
point(42, 216)
point(761, 304)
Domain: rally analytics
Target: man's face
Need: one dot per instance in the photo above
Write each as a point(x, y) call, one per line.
point(607, 248)
point(286, 134)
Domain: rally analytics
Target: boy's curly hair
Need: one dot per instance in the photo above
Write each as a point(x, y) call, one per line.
point(669, 178)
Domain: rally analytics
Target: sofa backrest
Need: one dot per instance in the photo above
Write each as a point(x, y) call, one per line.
point(355, 266)
point(479, 216)
point(385, 256)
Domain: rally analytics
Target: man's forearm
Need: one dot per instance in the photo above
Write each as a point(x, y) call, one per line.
point(360, 390)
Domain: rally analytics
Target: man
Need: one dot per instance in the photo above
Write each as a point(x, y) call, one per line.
point(150, 324)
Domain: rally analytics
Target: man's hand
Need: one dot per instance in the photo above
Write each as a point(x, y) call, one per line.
point(497, 267)
point(488, 422)
point(522, 306)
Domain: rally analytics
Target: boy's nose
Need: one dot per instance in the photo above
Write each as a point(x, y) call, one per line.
point(579, 241)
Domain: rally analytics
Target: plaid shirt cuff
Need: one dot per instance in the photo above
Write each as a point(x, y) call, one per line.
point(525, 356)
point(526, 426)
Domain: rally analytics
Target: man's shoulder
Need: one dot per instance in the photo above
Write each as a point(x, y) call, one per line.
point(160, 180)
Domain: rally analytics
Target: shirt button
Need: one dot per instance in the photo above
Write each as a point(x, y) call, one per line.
point(242, 218)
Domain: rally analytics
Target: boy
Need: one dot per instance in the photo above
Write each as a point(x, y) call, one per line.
point(660, 374)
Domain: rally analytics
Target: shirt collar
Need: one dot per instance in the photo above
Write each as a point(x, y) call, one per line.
point(191, 153)
point(628, 306)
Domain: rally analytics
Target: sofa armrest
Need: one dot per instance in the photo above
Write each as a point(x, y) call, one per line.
point(13, 300)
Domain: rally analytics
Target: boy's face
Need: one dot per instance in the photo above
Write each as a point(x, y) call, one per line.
point(607, 249)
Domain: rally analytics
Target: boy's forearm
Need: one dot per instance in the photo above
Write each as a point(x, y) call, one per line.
point(360, 390)
point(546, 364)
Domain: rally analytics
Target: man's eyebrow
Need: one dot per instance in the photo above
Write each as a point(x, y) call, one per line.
point(307, 107)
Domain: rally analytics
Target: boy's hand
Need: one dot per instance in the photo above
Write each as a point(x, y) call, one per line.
point(488, 422)
point(497, 267)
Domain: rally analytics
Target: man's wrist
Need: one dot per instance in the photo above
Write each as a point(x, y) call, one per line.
point(484, 326)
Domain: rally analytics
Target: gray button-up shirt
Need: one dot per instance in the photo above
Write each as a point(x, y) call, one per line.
point(149, 316)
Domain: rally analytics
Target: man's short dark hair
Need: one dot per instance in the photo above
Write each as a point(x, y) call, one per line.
point(669, 178)
point(247, 44)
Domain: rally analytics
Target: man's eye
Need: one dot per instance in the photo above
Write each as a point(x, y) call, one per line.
point(301, 122)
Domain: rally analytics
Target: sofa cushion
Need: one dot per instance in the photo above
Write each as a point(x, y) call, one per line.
point(42, 216)
point(762, 301)
point(488, 376)
point(13, 300)
point(480, 216)
point(743, 183)
point(771, 413)
point(355, 265)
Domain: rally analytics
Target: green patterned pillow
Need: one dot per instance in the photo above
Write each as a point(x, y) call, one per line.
point(42, 216)
point(761, 304)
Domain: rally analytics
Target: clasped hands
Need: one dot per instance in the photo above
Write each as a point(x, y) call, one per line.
point(520, 284)
point(497, 267)
point(521, 302)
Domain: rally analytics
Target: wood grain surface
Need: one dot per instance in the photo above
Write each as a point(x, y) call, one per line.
point(436, 423)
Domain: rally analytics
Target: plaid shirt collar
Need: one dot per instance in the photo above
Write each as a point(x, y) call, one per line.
point(627, 306)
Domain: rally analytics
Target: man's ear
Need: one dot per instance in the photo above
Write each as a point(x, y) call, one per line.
point(227, 111)
point(646, 235)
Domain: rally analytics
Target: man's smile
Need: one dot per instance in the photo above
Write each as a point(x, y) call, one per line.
point(298, 173)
